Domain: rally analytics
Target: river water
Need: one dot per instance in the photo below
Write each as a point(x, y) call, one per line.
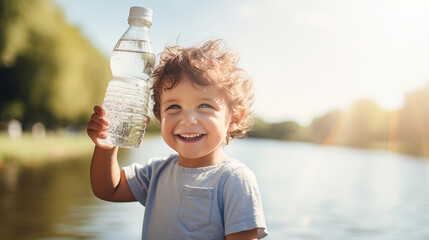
point(308, 192)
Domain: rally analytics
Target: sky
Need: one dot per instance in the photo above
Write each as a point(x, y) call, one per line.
point(306, 57)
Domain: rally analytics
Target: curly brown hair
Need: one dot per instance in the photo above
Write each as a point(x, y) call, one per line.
point(210, 63)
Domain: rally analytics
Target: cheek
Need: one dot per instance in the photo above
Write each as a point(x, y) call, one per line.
point(168, 123)
point(164, 124)
point(218, 122)
point(226, 118)
point(165, 130)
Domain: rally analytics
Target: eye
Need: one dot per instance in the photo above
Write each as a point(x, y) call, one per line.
point(205, 105)
point(174, 106)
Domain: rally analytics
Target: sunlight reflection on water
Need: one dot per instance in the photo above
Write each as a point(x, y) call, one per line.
point(314, 192)
point(308, 192)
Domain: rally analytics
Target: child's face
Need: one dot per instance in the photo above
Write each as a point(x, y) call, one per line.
point(194, 122)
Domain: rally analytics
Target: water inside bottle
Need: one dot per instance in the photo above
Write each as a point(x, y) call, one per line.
point(132, 58)
point(126, 103)
point(127, 96)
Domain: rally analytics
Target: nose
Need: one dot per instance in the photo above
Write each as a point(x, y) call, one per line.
point(189, 118)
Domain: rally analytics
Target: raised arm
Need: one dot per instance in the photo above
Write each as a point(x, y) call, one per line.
point(107, 181)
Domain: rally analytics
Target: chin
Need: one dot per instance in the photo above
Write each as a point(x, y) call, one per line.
point(191, 155)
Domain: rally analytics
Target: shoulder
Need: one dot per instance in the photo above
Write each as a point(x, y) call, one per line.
point(237, 178)
point(155, 164)
point(140, 177)
point(238, 171)
point(242, 205)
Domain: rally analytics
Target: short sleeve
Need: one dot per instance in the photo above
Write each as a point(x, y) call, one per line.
point(242, 203)
point(138, 180)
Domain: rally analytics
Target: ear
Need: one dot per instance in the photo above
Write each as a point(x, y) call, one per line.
point(236, 120)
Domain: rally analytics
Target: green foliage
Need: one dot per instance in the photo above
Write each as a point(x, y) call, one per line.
point(153, 127)
point(413, 123)
point(363, 125)
point(30, 150)
point(366, 123)
point(49, 72)
point(13, 29)
point(322, 128)
point(287, 130)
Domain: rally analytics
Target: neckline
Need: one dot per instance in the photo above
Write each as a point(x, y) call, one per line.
point(201, 169)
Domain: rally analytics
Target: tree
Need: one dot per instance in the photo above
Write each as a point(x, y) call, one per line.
point(413, 125)
point(287, 130)
point(367, 123)
point(49, 72)
point(325, 129)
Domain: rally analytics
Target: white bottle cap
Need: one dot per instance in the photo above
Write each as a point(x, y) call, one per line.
point(140, 13)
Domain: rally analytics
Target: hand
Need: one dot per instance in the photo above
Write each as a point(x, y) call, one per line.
point(97, 127)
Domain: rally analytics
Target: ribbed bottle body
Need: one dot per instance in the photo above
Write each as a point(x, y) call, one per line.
point(127, 96)
point(127, 105)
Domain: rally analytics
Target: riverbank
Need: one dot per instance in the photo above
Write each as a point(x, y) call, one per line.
point(393, 146)
point(29, 150)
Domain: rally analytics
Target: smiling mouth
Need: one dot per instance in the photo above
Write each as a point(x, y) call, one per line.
point(190, 137)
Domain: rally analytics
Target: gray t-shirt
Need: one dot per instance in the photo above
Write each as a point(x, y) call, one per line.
point(196, 203)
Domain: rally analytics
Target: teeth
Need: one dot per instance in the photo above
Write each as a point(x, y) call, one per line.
point(190, 136)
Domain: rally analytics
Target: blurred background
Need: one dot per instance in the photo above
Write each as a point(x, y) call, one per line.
point(341, 136)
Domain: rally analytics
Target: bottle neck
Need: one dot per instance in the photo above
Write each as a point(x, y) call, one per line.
point(138, 30)
point(138, 22)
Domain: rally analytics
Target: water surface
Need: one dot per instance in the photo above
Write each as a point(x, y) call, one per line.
point(308, 191)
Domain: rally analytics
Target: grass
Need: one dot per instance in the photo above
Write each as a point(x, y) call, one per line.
point(29, 150)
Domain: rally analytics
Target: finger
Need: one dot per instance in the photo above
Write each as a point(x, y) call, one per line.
point(100, 110)
point(101, 135)
point(99, 119)
point(96, 127)
point(95, 135)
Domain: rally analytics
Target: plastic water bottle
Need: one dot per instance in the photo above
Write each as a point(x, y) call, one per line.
point(127, 96)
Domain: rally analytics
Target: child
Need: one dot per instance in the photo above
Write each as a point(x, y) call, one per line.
point(202, 100)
